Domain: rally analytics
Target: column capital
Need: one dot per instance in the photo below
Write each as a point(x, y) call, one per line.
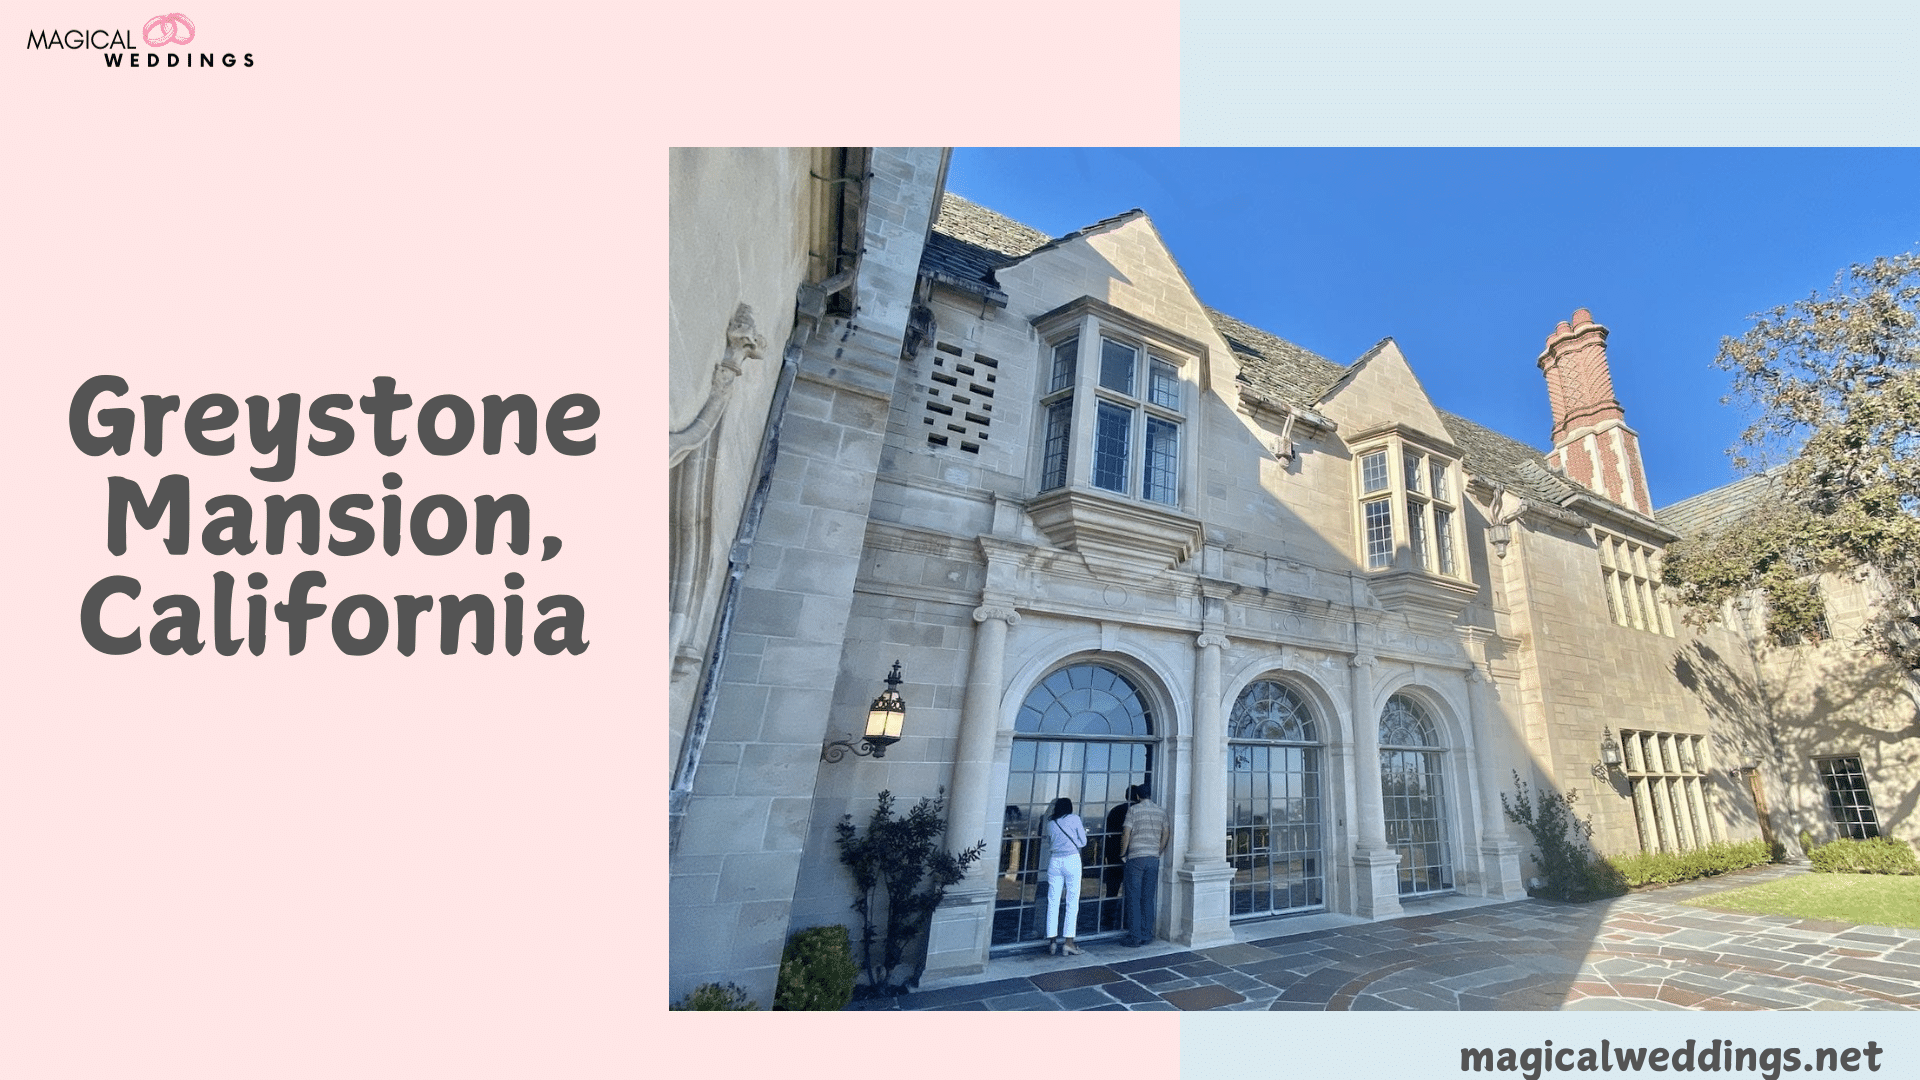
point(1363, 660)
point(1211, 639)
point(993, 610)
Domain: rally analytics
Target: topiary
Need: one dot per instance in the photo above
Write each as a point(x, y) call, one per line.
point(817, 971)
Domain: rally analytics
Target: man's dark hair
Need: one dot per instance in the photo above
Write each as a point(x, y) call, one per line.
point(1139, 791)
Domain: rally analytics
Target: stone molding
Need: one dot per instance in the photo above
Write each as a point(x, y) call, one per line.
point(1118, 536)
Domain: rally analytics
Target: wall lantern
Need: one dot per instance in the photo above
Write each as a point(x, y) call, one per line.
point(1500, 536)
point(885, 717)
point(1609, 755)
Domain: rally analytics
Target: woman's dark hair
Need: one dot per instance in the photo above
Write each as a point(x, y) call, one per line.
point(1062, 806)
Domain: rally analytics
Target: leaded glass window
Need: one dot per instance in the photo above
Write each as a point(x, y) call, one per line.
point(1063, 365)
point(1269, 710)
point(1162, 478)
point(1132, 443)
point(1084, 732)
point(1421, 492)
point(1117, 362)
point(1113, 428)
point(1275, 814)
point(1413, 790)
point(1847, 797)
point(1053, 473)
point(1373, 472)
point(1379, 534)
point(1164, 384)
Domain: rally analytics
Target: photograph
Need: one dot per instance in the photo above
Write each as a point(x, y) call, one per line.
point(1504, 599)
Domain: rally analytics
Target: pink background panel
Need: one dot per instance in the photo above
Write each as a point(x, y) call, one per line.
point(384, 866)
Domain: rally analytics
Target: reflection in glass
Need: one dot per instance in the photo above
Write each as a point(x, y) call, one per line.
point(1274, 837)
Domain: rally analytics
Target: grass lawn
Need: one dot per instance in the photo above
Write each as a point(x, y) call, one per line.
point(1878, 899)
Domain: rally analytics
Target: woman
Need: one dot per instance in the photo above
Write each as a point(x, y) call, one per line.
point(1066, 834)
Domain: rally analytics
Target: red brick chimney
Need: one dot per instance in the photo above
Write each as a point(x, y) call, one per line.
point(1592, 443)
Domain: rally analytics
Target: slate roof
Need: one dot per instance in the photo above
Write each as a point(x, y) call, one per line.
point(970, 242)
point(1711, 511)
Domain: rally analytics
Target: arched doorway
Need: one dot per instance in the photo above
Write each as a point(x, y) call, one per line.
point(1274, 809)
point(1085, 732)
point(1412, 785)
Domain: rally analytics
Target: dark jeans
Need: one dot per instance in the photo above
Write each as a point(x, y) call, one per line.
point(1141, 896)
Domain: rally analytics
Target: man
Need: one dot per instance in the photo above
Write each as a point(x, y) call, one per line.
point(1111, 853)
point(1144, 841)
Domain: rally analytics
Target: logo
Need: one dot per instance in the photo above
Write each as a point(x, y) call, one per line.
point(174, 29)
point(121, 48)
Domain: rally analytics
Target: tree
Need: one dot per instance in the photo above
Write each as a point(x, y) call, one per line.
point(1833, 383)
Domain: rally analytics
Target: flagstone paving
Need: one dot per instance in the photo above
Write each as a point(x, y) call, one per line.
point(1644, 951)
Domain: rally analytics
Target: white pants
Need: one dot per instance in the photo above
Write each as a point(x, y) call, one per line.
point(1063, 883)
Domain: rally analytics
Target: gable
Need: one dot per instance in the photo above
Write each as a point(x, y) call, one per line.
point(1380, 389)
point(1123, 263)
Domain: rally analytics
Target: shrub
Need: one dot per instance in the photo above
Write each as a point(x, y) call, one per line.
point(1880, 855)
point(715, 997)
point(900, 867)
point(1566, 862)
point(1668, 867)
point(817, 971)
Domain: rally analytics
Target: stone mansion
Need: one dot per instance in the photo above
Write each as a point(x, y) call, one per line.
point(1114, 536)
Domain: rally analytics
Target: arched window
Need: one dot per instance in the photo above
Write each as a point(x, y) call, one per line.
point(1085, 732)
point(1086, 699)
point(1412, 787)
point(1274, 812)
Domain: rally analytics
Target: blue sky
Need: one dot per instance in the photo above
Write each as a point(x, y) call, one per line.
point(1468, 258)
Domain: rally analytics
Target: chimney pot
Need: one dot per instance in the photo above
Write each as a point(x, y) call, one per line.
point(1581, 317)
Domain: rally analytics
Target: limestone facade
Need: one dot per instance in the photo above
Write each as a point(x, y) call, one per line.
point(1114, 536)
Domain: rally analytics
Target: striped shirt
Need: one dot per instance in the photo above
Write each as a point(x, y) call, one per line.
point(1147, 828)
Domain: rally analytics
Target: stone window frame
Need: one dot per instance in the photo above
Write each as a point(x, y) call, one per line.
point(1667, 777)
point(1630, 580)
point(1417, 483)
point(1075, 398)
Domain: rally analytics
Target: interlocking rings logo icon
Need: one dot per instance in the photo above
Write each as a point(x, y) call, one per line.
point(174, 29)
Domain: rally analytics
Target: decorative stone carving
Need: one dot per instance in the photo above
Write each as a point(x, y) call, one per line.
point(1004, 612)
point(743, 343)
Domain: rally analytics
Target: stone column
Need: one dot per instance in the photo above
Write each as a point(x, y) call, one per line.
point(1206, 876)
point(967, 822)
point(1376, 866)
point(1499, 853)
point(961, 930)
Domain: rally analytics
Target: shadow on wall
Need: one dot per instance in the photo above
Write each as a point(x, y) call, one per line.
point(1784, 713)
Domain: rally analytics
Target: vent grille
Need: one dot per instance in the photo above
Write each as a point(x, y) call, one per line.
point(959, 388)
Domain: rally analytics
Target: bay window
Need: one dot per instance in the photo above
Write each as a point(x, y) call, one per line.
point(1113, 458)
point(1409, 505)
point(1113, 412)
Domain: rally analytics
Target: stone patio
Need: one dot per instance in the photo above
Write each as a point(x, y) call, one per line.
point(1643, 951)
